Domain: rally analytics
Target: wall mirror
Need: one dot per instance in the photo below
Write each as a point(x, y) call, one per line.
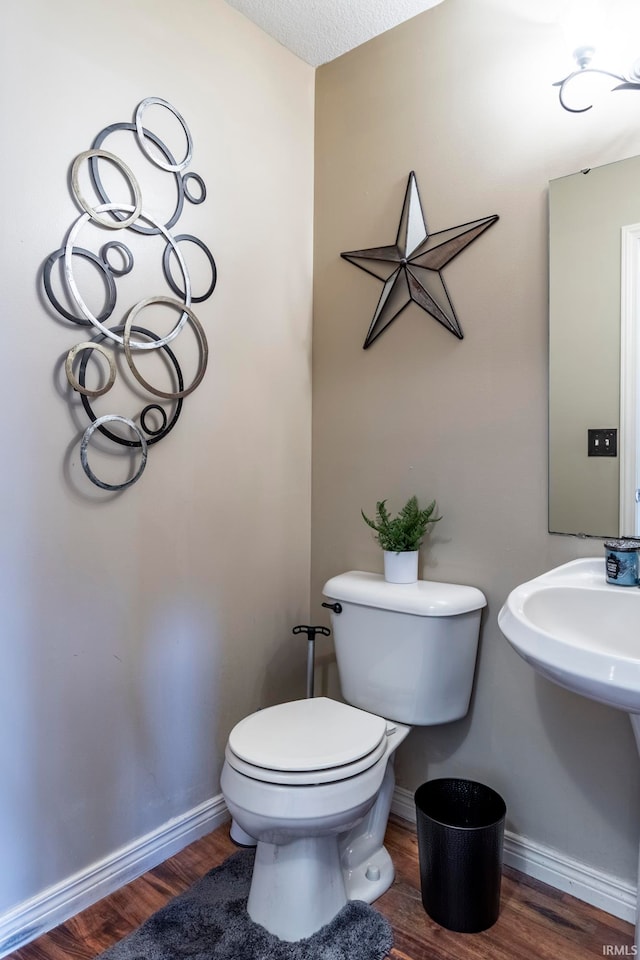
point(594, 351)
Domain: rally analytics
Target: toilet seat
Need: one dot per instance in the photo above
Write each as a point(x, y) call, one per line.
point(304, 777)
point(317, 740)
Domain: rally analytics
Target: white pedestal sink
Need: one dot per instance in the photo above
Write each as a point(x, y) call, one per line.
point(581, 632)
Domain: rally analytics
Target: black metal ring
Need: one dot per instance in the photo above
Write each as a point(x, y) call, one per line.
point(163, 413)
point(87, 406)
point(201, 184)
point(126, 254)
point(166, 266)
point(97, 182)
point(108, 276)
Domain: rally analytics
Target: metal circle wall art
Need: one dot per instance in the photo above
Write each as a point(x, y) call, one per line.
point(117, 337)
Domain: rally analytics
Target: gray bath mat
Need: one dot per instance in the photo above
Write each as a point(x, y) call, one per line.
point(209, 922)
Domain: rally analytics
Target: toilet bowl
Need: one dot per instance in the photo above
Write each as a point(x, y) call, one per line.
point(311, 781)
point(305, 780)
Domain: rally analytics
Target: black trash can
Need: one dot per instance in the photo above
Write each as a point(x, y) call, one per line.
point(460, 834)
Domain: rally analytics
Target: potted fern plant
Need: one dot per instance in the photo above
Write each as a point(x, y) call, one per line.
point(400, 537)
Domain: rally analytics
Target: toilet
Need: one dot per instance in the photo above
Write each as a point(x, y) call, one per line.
point(310, 782)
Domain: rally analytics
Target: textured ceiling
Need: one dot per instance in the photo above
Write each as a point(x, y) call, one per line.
point(321, 30)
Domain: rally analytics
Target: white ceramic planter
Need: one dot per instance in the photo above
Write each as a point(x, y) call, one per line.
point(401, 567)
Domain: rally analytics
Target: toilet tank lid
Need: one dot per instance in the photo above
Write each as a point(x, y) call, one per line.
point(424, 598)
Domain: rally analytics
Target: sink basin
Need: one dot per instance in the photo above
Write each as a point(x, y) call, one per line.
point(579, 631)
point(584, 633)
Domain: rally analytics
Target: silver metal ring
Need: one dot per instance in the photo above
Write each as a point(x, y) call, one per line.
point(73, 287)
point(176, 394)
point(110, 223)
point(171, 167)
point(73, 380)
point(109, 417)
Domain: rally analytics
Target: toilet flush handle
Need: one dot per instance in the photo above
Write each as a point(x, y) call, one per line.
point(336, 607)
point(311, 652)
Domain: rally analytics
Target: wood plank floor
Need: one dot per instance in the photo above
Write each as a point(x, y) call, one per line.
point(535, 921)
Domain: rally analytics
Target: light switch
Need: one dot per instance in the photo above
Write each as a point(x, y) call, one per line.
point(602, 443)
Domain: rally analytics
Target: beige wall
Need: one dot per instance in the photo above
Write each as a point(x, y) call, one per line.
point(463, 96)
point(137, 629)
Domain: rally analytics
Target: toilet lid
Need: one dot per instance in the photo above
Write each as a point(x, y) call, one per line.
point(305, 735)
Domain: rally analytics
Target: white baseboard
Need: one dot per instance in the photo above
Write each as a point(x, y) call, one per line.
point(584, 882)
point(56, 904)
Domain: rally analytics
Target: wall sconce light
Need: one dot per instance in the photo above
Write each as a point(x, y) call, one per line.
point(583, 56)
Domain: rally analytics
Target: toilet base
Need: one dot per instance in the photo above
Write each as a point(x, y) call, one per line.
point(366, 866)
point(239, 836)
point(297, 887)
point(371, 879)
point(367, 881)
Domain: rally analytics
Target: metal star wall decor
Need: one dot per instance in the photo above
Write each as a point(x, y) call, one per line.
point(411, 268)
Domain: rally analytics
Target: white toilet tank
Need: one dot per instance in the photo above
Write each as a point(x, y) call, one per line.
point(406, 652)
